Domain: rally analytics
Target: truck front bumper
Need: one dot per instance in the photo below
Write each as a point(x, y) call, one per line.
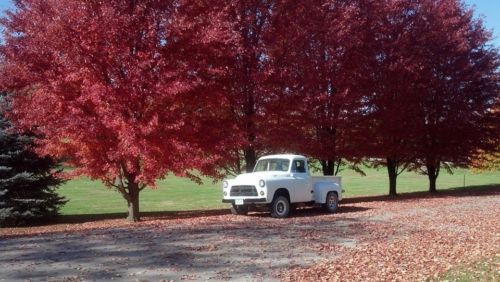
point(246, 201)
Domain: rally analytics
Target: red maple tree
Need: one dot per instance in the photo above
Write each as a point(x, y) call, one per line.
point(459, 76)
point(245, 88)
point(124, 90)
point(434, 81)
point(393, 96)
point(129, 91)
point(318, 58)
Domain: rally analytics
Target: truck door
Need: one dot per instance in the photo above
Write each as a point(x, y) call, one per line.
point(301, 182)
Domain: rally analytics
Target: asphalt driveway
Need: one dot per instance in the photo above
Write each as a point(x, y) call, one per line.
point(311, 245)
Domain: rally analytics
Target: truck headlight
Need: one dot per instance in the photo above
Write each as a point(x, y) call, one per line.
point(262, 183)
point(225, 184)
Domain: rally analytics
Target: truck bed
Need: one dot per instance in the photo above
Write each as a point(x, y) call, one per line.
point(335, 179)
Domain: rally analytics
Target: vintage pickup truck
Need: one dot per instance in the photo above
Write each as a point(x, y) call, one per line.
point(281, 183)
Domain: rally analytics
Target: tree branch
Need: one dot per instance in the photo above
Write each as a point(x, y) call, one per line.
point(109, 183)
point(338, 166)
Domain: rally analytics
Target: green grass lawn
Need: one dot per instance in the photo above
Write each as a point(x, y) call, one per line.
point(176, 194)
point(486, 270)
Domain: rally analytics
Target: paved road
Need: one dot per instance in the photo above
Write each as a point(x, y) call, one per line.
point(220, 247)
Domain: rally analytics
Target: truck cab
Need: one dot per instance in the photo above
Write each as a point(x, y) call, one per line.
point(280, 182)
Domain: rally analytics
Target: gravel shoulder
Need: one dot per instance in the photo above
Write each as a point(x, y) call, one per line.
point(406, 239)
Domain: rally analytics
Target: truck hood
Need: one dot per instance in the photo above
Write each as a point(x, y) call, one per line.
point(256, 176)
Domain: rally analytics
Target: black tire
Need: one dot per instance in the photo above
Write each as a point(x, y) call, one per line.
point(280, 207)
point(239, 210)
point(332, 202)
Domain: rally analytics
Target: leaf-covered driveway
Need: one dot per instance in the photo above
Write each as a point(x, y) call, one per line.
point(407, 239)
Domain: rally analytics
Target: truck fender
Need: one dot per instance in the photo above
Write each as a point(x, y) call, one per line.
point(281, 192)
point(322, 189)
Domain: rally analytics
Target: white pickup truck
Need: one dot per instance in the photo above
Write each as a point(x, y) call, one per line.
point(280, 183)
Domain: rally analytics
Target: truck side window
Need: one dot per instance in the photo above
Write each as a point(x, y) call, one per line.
point(299, 166)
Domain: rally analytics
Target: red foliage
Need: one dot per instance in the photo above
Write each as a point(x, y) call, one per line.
point(246, 88)
point(318, 52)
point(458, 87)
point(125, 89)
point(130, 91)
point(393, 75)
point(434, 80)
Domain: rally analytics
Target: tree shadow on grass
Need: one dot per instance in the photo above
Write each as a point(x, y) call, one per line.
point(468, 191)
point(479, 190)
point(482, 190)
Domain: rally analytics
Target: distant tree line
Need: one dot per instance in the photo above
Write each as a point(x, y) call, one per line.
point(132, 90)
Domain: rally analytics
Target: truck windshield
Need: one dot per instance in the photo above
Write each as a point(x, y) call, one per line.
point(272, 165)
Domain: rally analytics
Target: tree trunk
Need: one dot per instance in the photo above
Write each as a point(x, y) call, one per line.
point(250, 159)
point(393, 175)
point(432, 184)
point(238, 163)
point(432, 173)
point(249, 152)
point(133, 202)
point(328, 167)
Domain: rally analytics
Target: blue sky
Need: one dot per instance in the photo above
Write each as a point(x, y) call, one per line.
point(489, 9)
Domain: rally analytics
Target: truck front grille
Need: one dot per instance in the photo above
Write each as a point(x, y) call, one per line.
point(243, 190)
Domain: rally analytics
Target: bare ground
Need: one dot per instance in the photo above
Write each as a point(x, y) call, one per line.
point(412, 238)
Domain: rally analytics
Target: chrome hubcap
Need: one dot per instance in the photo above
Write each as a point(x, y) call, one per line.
point(280, 207)
point(332, 202)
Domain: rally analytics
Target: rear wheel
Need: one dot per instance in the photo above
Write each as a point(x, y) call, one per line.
point(332, 202)
point(280, 207)
point(239, 210)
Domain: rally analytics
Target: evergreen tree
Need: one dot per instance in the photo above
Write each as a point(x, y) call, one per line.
point(27, 181)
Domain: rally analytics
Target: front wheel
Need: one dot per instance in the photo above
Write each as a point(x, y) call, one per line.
point(332, 202)
point(280, 207)
point(239, 210)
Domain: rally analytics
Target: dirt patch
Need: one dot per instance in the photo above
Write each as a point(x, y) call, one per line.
point(413, 239)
